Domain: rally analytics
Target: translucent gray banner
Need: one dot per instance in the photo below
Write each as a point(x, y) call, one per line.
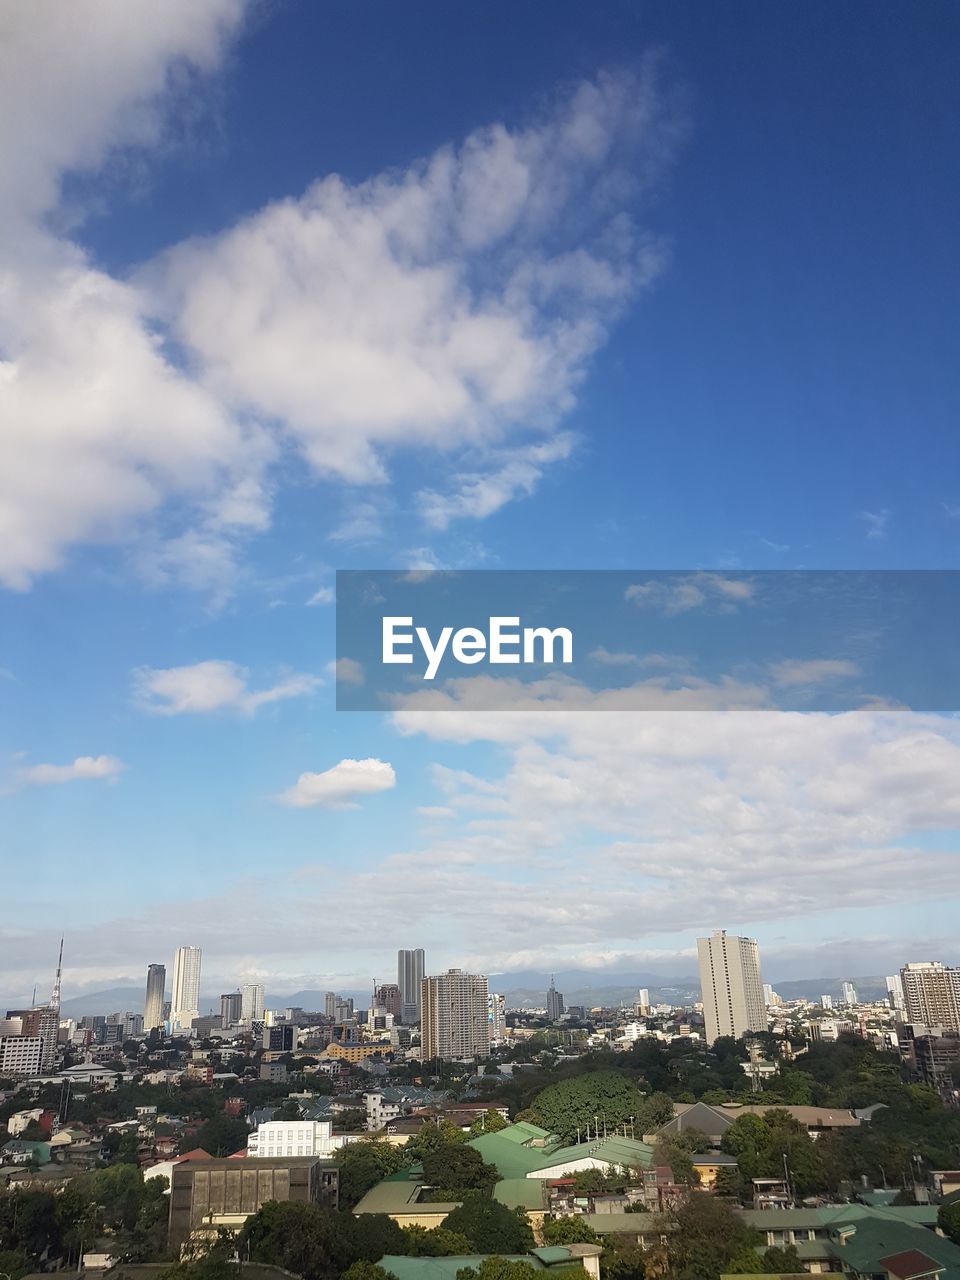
point(558, 640)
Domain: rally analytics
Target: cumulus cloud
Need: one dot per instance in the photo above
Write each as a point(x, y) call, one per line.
point(215, 685)
point(340, 787)
point(104, 767)
point(453, 304)
point(875, 523)
point(797, 671)
point(99, 429)
point(693, 591)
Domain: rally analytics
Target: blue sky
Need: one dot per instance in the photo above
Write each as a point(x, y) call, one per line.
point(633, 287)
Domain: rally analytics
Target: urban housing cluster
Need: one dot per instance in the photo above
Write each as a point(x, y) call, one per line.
point(827, 1129)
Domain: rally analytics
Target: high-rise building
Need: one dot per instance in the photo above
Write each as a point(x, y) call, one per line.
point(770, 997)
point(153, 1002)
point(641, 1006)
point(389, 998)
point(251, 1002)
point(931, 993)
point(848, 994)
point(185, 1005)
point(330, 1004)
point(231, 1004)
point(454, 1016)
point(895, 993)
point(826, 1002)
point(496, 1018)
point(554, 1003)
point(410, 971)
point(731, 985)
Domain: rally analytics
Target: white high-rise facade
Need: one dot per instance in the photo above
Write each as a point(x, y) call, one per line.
point(496, 1017)
point(410, 972)
point(454, 1016)
point(731, 984)
point(251, 1002)
point(895, 993)
point(848, 994)
point(931, 993)
point(185, 1005)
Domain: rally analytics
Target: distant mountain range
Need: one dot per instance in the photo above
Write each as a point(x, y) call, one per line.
point(521, 989)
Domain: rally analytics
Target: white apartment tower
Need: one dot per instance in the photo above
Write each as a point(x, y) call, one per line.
point(496, 1017)
point(251, 1002)
point(931, 993)
point(731, 985)
point(454, 1016)
point(185, 1005)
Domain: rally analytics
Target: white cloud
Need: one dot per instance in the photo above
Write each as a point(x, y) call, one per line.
point(99, 430)
point(214, 685)
point(481, 493)
point(797, 671)
point(453, 305)
point(675, 595)
point(104, 767)
point(875, 523)
point(341, 786)
point(323, 595)
point(348, 671)
point(422, 307)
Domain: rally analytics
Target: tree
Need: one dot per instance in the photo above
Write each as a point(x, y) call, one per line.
point(490, 1122)
point(607, 1098)
point(706, 1238)
point(948, 1220)
point(367, 1271)
point(458, 1169)
point(222, 1135)
point(760, 1144)
point(436, 1243)
point(362, 1165)
point(782, 1260)
point(490, 1225)
point(728, 1181)
point(317, 1244)
point(430, 1136)
point(497, 1268)
point(568, 1229)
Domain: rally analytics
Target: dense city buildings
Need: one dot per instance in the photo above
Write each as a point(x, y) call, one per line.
point(454, 1016)
point(185, 1005)
point(931, 993)
point(410, 971)
point(731, 985)
point(153, 1000)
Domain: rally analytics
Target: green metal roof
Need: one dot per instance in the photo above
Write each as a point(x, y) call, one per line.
point(399, 1195)
point(505, 1149)
point(447, 1268)
point(614, 1150)
point(875, 1239)
point(521, 1193)
point(833, 1215)
point(606, 1224)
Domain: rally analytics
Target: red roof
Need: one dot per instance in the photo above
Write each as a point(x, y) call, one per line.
point(197, 1153)
point(239, 1155)
point(911, 1264)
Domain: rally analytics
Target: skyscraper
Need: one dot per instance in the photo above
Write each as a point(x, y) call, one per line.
point(410, 970)
point(731, 985)
point(496, 1017)
point(251, 1002)
point(231, 1004)
point(554, 1003)
point(454, 1016)
point(895, 993)
point(153, 1001)
point(389, 998)
point(185, 1005)
point(931, 993)
point(848, 993)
